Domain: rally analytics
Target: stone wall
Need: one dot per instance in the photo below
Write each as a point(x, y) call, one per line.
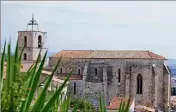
point(32, 49)
point(154, 79)
point(79, 88)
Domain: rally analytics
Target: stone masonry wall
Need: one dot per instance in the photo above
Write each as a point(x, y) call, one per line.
point(79, 88)
point(153, 89)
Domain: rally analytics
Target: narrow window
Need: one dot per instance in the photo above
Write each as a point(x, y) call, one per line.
point(96, 72)
point(139, 84)
point(25, 41)
point(74, 88)
point(39, 41)
point(25, 56)
point(79, 71)
point(119, 75)
point(60, 70)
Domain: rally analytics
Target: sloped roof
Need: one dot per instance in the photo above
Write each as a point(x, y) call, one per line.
point(141, 108)
point(115, 103)
point(63, 76)
point(103, 54)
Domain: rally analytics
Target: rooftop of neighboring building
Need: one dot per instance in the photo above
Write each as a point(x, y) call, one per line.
point(115, 103)
point(63, 76)
point(108, 54)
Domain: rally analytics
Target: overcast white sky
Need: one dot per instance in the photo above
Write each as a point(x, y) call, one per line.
point(98, 25)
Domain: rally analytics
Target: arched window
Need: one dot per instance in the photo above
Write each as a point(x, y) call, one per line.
point(139, 84)
point(25, 56)
point(39, 41)
point(96, 72)
point(74, 88)
point(25, 41)
point(60, 70)
point(79, 71)
point(119, 75)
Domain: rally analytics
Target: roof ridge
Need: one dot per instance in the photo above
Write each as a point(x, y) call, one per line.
point(75, 50)
point(104, 50)
point(124, 54)
point(150, 54)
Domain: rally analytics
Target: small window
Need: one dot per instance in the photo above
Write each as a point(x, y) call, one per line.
point(74, 88)
point(25, 41)
point(39, 41)
point(25, 56)
point(119, 75)
point(139, 84)
point(60, 70)
point(79, 71)
point(96, 72)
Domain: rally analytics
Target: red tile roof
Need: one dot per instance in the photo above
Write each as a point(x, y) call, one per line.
point(141, 108)
point(63, 76)
point(106, 54)
point(115, 103)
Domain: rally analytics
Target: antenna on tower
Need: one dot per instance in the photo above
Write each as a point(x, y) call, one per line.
point(32, 22)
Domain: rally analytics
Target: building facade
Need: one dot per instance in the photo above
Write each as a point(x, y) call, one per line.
point(141, 75)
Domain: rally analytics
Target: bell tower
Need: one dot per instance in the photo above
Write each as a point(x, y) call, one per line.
point(32, 41)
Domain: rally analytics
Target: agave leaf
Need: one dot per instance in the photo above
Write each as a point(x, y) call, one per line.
point(58, 100)
point(102, 105)
point(15, 63)
point(21, 55)
point(40, 101)
point(2, 67)
point(8, 73)
point(34, 84)
point(104, 109)
point(13, 75)
point(76, 106)
point(86, 107)
point(120, 108)
point(30, 73)
point(127, 105)
point(52, 99)
point(65, 105)
point(29, 81)
point(19, 60)
point(123, 106)
point(45, 80)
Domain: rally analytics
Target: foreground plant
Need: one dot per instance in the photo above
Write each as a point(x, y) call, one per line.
point(18, 89)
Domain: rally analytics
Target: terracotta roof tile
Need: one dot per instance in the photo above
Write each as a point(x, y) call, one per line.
point(141, 108)
point(102, 54)
point(73, 54)
point(115, 103)
point(72, 77)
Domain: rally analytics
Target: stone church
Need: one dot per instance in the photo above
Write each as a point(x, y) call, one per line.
point(141, 75)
